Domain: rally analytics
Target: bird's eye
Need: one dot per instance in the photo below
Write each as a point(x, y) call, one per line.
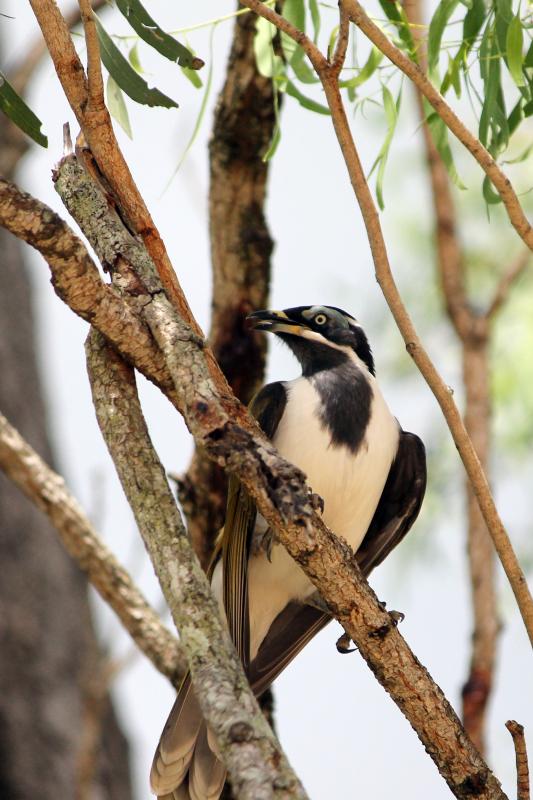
point(321, 319)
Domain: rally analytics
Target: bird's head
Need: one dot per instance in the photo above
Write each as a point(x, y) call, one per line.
point(321, 337)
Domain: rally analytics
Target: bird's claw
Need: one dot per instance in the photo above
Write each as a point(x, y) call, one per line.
point(396, 616)
point(343, 645)
point(266, 543)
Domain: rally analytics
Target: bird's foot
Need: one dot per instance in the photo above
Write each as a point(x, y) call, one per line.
point(343, 644)
point(317, 502)
point(396, 616)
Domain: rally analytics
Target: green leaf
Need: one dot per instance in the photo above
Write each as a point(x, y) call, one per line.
point(201, 112)
point(472, 24)
point(126, 77)
point(439, 132)
point(192, 76)
point(133, 58)
point(491, 197)
point(395, 12)
point(391, 109)
point(315, 18)
point(148, 29)
point(305, 102)
point(18, 112)
point(514, 45)
point(294, 12)
point(436, 29)
point(267, 62)
point(331, 41)
point(276, 135)
point(117, 106)
point(367, 70)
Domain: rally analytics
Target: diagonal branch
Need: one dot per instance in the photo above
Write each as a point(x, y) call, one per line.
point(256, 763)
point(509, 278)
point(47, 490)
point(405, 325)
point(500, 181)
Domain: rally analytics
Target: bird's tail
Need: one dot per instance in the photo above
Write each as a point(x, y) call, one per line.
point(185, 765)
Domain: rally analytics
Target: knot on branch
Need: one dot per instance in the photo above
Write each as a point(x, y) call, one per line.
point(241, 732)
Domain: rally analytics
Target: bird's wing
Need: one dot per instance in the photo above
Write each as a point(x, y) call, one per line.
point(267, 407)
point(399, 503)
point(397, 509)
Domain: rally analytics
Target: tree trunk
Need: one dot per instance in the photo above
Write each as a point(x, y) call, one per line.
point(47, 642)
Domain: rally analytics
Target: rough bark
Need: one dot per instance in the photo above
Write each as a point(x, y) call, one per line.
point(258, 768)
point(241, 247)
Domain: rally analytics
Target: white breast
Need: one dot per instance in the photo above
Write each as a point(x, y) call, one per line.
point(350, 485)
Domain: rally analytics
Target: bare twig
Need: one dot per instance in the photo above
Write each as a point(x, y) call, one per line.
point(337, 61)
point(95, 84)
point(522, 769)
point(48, 492)
point(473, 332)
point(509, 277)
point(257, 765)
point(413, 343)
point(500, 181)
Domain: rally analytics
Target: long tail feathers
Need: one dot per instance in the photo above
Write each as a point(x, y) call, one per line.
point(185, 765)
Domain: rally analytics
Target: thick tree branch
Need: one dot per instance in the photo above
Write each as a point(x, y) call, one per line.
point(500, 181)
point(47, 490)
point(77, 281)
point(413, 343)
point(522, 768)
point(253, 756)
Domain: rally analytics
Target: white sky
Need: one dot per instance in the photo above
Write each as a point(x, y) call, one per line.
point(343, 735)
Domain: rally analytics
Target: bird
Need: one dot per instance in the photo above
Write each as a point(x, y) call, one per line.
point(334, 424)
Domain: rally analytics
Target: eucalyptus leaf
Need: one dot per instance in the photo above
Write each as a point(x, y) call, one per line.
point(133, 58)
point(117, 105)
point(305, 102)
point(126, 77)
point(491, 197)
point(148, 29)
point(315, 18)
point(437, 25)
point(367, 70)
point(294, 12)
point(439, 133)
point(18, 112)
point(192, 76)
point(391, 109)
point(395, 12)
point(514, 46)
point(267, 62)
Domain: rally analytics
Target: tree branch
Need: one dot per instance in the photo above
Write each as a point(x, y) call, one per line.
point(473, 332)
point(509, 278)
point(95, 84)
point(76, 279)
point(48, 492)
point(413, 343)
point(256, 764)
point(522, 769)
point(500, 181)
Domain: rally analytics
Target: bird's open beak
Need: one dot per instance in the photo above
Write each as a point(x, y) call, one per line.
point(275, 322)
